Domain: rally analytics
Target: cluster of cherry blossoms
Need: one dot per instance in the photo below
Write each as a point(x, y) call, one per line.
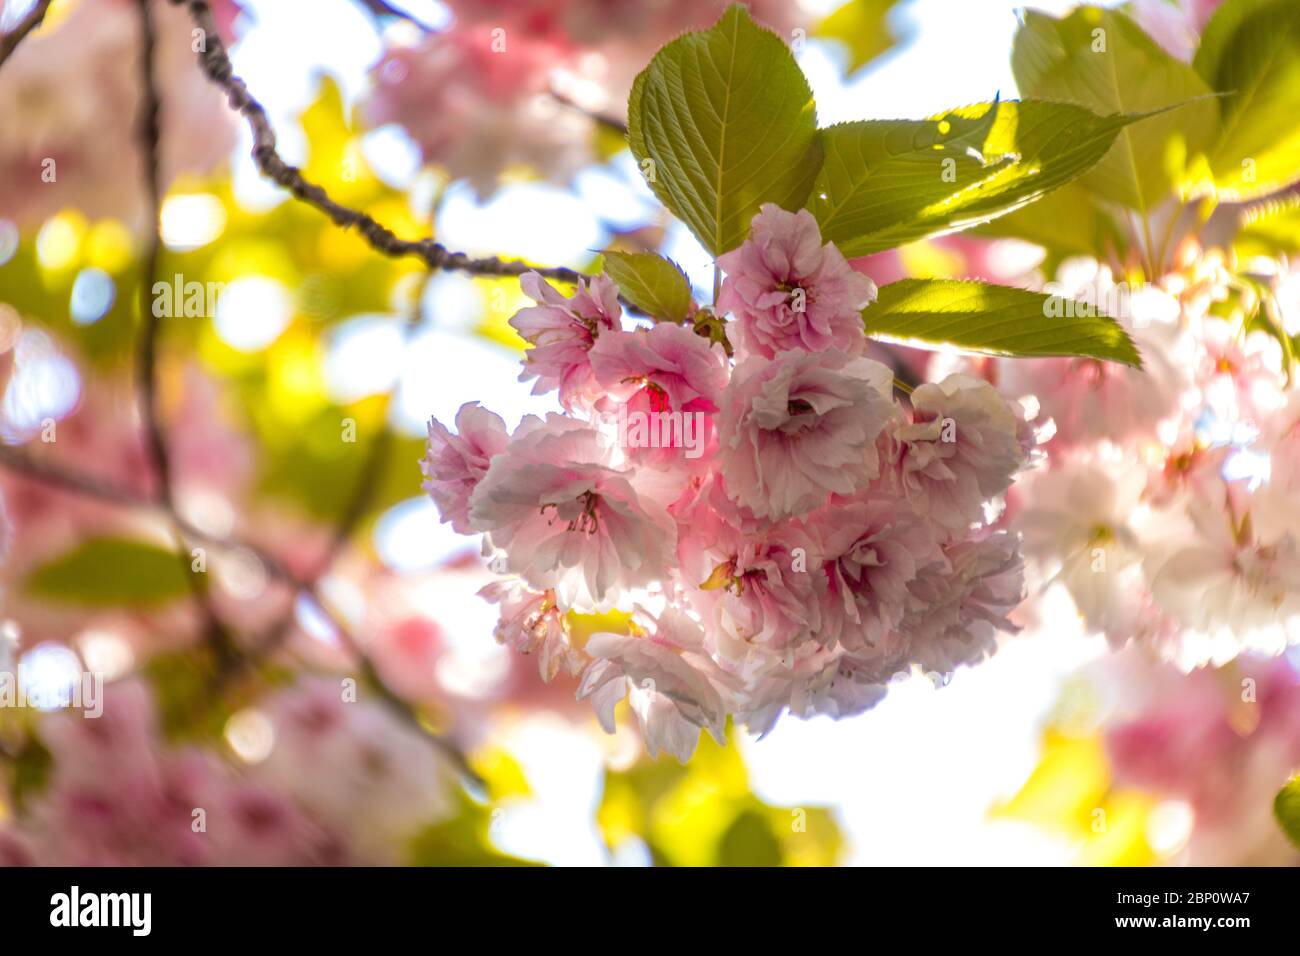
point(329, 782)
point(770, 533)
point(1214, 746)
point(1167, 508)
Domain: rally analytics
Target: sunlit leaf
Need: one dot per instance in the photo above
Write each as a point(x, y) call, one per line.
point(460, 840)
point(722, 121)
point(888, 182)
point(102, 572)
point(1069, 794)
point(703, 814)
point(1067, 221)
point(864, 27)
point(1250, 50)
point(655, 285)
point(1286, 809)
point(1272, 229)
point(995, 320)
point(1101, 59)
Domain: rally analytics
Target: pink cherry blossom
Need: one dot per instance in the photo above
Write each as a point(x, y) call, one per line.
point(1221, 746)
point(1078, 522)
point(764, 599)
point(848, 686)
point(684, 368)
point(67, 88)
point(1237, 569)
point(478, 109)
point(788, 291)
point(454, 464)
point(959, 605)
point(801, 427)
point(667, 677)
point(567, 518)
point(1089, 400)
point(561, 331)
point(385, 782)
point(1175, 24)
point(532, 622)
point(873, 548)
point(661, 388)
point(120, 796)
point(962, 447)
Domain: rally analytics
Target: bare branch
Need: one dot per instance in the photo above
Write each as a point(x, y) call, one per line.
point(362, 493)
point(151, 329)
point(382, 8)
point(35, 16)
point(602, 119)
point(53, 476)
point(216, 65)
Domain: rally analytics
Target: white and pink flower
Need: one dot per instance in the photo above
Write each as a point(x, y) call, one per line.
point(568, 519)
point(561, 331)
point(801, 427)
point(962, 448)
point(669, 680)
point(789, 291)
point(454, 463)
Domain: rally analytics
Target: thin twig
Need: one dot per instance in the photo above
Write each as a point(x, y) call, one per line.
point(382, 8)
point(53, 476)
point(362, 493)
point(35, 16)
point(216, 65)
point(151, 330)
point(600, 119)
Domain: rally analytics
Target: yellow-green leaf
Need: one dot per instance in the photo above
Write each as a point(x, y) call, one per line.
point(863, 27)
point(722, 121)
point(1250, 51)
point(994, 320)
point(1286, 808)
point(655, 285)
point(888, 182)
point(1101, 59)
point(111, 571)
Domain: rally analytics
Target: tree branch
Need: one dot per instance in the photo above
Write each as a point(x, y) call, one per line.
point(611, 123)
point(151, 329)
point(216, 65)
point(35, 16)
point(53, 476)
point(362, 492)
point(382, 8)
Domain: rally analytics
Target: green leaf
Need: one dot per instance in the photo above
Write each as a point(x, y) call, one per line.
point(1066, 222)
point(722, 121)
point(658, 802)
point(888, 182)
point(1251, 52)
point(995, 320)
point(1102, 60)
point(655, 285)
point(1269, 230)
point(749, 841)
point(29, 772)
point(102, 572)
point(317, 468)
point(1286, 808)
point(864, 29)
point(461, 839)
